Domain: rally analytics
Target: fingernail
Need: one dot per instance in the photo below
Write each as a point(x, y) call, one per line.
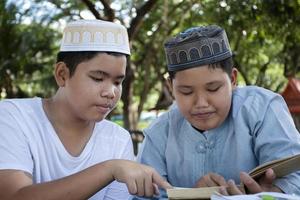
point(222, 190)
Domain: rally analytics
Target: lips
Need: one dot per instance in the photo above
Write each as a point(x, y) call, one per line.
point(103, 108)
point(203, 115)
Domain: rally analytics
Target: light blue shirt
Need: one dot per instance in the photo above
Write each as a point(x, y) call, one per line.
point(259, 128)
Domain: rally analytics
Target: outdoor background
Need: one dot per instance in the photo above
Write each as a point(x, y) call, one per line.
point(264, 36)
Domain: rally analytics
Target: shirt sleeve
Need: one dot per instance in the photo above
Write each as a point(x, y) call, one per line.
point(14, 149)
point(276, 137)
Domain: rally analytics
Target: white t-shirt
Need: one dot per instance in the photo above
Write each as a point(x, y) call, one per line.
point(29, 143)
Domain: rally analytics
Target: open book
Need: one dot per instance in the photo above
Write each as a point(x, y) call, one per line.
point(281, 167)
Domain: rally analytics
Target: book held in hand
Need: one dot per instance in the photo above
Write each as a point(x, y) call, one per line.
point(281, 167)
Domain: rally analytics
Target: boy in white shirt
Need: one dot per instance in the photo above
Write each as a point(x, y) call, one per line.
point(62, 147)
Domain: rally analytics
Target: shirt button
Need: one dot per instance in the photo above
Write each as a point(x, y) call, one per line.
point(200, 148)
point(210, 145)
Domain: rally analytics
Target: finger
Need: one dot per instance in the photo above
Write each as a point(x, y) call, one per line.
point(223, 191)
point(209, 181)
point(200, 183)
point(233, 189)
point(156, 190)
point(140, 187)
point(206, 181)
point(160, 182)
point(218, 179)
point(132, 188)
point(268, 178)
point(148, 186)
point(251, 185)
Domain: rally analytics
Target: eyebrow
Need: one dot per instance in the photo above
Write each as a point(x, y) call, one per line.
point(105, 74)
point(214, 83)
point(209, 84)
point(184, 86)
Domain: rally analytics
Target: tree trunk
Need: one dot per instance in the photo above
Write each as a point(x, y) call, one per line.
point(127, 96)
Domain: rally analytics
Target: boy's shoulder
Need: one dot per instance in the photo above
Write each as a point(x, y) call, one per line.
point(248, 91)
point(252, 99)
point(253, 95)
point(172, 119)
point(22, 104)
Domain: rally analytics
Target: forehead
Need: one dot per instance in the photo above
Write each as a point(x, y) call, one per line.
point(200, 75)
point(103, 62)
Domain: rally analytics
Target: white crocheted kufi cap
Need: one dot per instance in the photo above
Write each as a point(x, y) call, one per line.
point(95, 35)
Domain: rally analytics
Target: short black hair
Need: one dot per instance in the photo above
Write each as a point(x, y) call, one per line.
point(226, 65)
point(73, 58)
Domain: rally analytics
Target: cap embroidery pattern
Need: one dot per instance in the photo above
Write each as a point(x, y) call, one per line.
point(197, 46)
point(95, 35)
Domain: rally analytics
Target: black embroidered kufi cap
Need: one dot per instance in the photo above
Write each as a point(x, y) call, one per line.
point(197, 46)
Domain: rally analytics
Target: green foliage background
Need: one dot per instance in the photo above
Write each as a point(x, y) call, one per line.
point(264, 36)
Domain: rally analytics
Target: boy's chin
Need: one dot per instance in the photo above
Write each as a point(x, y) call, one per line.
point(98, 119)
point(206, 127)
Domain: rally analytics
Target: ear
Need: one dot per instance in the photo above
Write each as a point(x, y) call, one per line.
point(170, 86)
point(61, 74)
point(169, 83)
point(233, 77)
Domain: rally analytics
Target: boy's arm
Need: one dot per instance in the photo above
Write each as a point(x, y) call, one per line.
point(117, 190)
point(277, 137)
point(140, 180)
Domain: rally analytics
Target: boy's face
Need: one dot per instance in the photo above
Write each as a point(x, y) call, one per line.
point(204, 95)
point(96, 86)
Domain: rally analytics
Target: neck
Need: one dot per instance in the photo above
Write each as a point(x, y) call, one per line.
point(62, 117)
point(199, 130)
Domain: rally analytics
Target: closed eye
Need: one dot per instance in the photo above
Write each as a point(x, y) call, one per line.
point(117, 83)
point(215, 89)
point(96, 79)
point(186, 92)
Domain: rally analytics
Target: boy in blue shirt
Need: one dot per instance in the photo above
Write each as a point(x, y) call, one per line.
point(216, 131)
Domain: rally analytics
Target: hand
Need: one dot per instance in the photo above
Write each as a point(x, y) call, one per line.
point(264, 184)
point(232, 189)
point(140, 179)
point(210, 180)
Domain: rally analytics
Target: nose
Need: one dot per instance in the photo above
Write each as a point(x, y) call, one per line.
point(108, 91)
point(201, 101)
